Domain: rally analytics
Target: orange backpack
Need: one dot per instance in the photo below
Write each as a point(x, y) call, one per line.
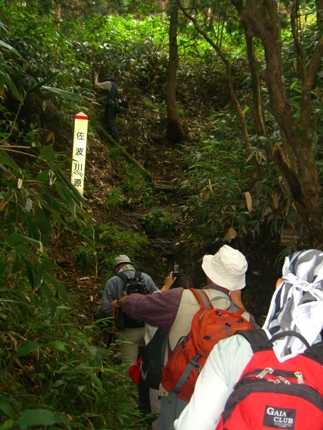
point(209, 325)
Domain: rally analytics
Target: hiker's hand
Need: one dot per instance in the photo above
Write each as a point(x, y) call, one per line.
point(168, 282)
point(115, 304)
point(96, 77)
point(235, 296)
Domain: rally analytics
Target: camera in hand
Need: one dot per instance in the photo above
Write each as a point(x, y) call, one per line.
point(175, 270)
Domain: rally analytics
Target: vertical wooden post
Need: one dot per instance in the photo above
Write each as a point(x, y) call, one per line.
point(79, 151)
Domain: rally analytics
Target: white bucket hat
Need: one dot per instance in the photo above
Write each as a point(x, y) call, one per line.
point(121, 259)
point(227, 268)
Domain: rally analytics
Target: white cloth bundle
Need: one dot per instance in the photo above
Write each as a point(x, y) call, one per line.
point(297, 304)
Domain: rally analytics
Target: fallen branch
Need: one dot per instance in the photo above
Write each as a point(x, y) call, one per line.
point(133, 160)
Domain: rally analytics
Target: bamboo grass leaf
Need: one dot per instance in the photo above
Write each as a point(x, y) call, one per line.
point(5, 406)
point(27, 348)
point(60, 346)
point(42, 83)
point(16, 239)
point(58, 285)
point(47, 153)
point(36, 417)
point(65, 94)
point(11, 49)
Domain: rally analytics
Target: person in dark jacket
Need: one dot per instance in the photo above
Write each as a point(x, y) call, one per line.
point(110, 112)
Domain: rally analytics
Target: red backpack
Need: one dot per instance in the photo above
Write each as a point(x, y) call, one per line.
point(274, 395)
point(208, 326)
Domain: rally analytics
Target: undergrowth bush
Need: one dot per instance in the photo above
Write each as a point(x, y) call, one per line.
point(227, 199)
point(159, 223)
point(52, 375)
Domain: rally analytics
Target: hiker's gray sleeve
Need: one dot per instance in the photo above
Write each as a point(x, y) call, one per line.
point(214, 385)
point(112, 291)
point(150, 284)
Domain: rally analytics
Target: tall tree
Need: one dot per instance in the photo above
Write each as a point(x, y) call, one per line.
point(319, 15)
point(174, 130)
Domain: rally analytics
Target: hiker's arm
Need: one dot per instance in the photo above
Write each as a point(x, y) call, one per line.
point(101, 85)
point(159, 309)
point(118, 303)
point(112, 290)
point(215, 383)
point(168, 282)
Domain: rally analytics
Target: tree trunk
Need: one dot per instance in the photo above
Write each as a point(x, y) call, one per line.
point(174, 130)
point(163, 9)
point(319, 15)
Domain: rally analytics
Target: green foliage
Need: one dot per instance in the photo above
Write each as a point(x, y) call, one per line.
point(51, 374)
point(159, 223)
point(86, 258)
point(58, 378)
point(116, 239)
point(134, 182)
point(219, 182)
point(115, 199)
point(31, 206)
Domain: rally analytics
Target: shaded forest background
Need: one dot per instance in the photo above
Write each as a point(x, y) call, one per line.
point(156, 198)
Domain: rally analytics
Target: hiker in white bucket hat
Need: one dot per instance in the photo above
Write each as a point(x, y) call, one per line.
point(227, 268)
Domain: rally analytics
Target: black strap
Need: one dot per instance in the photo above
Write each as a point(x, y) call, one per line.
point(259, 341)
point(137, 276)
point(318, 351)
point(257, 338)
point(290, 333)
point(125, 278)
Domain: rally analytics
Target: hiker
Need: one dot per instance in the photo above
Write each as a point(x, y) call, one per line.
point(173, 310)
point(181, 281)
point(134, 330)
point(297, 304)
point(110, 112)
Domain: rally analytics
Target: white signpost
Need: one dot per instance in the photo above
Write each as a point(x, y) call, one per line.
point(79, 151)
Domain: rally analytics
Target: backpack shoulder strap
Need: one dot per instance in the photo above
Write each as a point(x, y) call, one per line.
point(113, 84)
point(318, 351)
point(315, 351)
point(137, 276)
point(257, 338)
point(201, 297)
point(259, 341)
point(124, 277)
point(114, 92)
point(232, 307)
